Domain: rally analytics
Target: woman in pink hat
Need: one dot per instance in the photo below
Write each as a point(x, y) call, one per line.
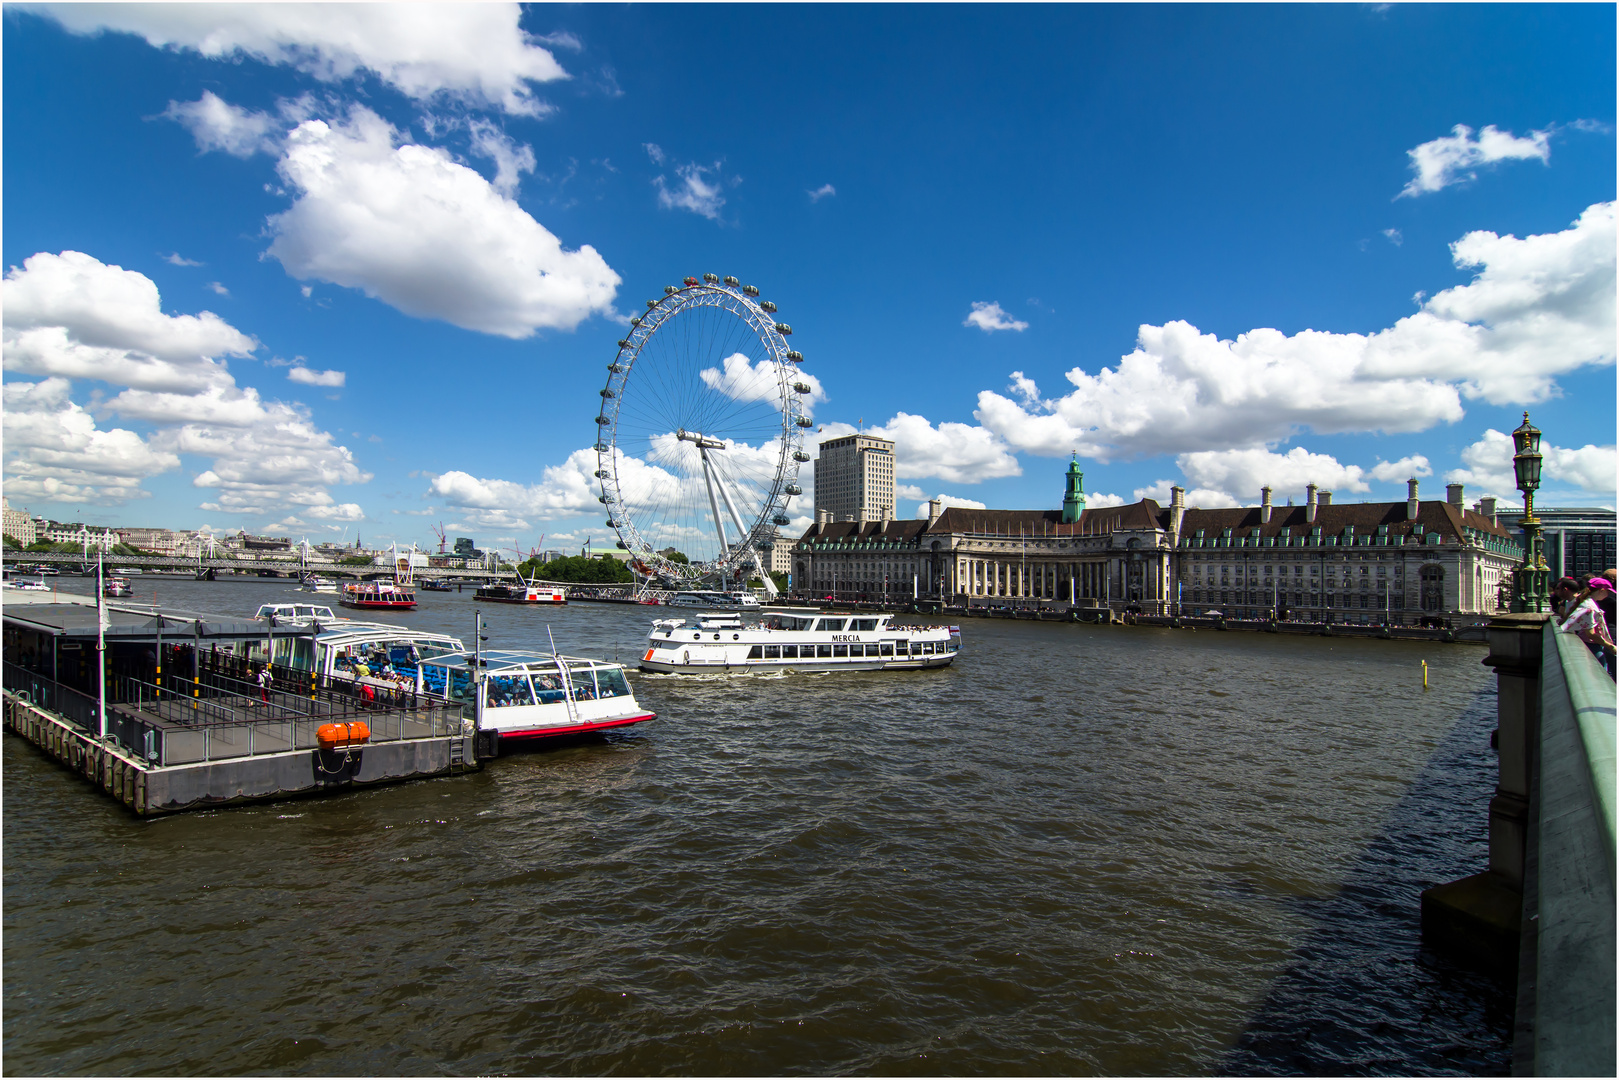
point(1586, 620)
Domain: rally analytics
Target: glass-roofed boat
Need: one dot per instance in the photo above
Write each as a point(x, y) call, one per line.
point(526, 696)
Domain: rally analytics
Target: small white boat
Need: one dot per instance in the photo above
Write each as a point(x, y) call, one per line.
point(523, 697)
point(709, 600)
point(796, 639)
point(27, 585)
point(318, 585)
point(116, 587)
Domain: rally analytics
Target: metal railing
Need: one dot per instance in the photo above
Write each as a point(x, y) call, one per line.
point(215, 742)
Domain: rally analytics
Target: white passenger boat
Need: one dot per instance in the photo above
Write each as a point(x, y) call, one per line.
point(318, 585)
point(382, 655)
point(798, 639)
point(710, 600)
point(528, 696)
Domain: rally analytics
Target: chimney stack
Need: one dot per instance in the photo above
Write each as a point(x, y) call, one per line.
point(1453, 495)
point(933, 511)
point(1486, 506)
point(1323, 498)
point(1309, 503)
point(884, 519)
point(1411, 499)
point(823, 517)
point(1177, 509)
point(1264, 505)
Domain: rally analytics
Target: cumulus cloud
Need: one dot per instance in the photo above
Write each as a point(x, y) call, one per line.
point(953, 452)
point(1394, 236)
point(1204, 498)
point(474, 53)
point(1487, 467)
point(945, 503)
point(741, 380)
point(408, 225)
point(1537, 307)
point(216, 124)
point(308, 377)
point(1101, 500)
point(699, 188)
point(70, 316)
point(822, 192)
point(1239, 474)
point(55, 452)
point(1448, 160)
point(511, 160)
point(989, 317)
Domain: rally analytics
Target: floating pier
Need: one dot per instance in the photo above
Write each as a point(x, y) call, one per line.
point(202, 735)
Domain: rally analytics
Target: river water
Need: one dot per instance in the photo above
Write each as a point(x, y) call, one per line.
point(1078, 850)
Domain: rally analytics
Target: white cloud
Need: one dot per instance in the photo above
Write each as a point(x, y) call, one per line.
point(1488, 467)
point(1447, 160)
point(945, 502)
point(308, 377)
point(744, 381)
point(70, 316)
point(411, 227)
point(475, 53)
point(177, 259)
point(1394, 236)
point(216, 124)
point(55, 452)
point(1407, 468)
point(655, 152)
point(1101, 500)
point(953, 452)
point(218, 288)
point(1538, 307)
point(511, 160)
point(989, 317)
point(695, 192)
point(1205, 498)
point(822, 192)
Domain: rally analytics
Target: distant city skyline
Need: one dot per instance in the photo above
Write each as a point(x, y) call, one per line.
point(262, 278)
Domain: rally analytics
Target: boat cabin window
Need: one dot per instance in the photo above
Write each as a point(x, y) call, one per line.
point(789, 652)
point(888, 648)
point(548, 688)
point(611, 683)
point(832, 624)
point(859, 625)
point(873, 649)
point(756, 653)
point(503, 691)
point(840, 650)
point(823, 650)
point(772, 652)
point(583, 679)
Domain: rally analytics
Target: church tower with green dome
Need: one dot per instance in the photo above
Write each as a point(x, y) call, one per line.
point(1073, 500)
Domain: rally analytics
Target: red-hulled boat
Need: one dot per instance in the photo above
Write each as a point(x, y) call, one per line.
point(377, 594)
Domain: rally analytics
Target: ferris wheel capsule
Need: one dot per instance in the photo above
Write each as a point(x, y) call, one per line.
point(768, 306)
point(731, 281)
point(783, 329)
point(750, 290)
point(796, 357)
point(712, 279)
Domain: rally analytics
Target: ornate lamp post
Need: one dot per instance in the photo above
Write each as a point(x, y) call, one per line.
point(1530, 585)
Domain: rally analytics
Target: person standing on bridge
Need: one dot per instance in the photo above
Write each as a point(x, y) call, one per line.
point(1585, 618)
point(264, 685)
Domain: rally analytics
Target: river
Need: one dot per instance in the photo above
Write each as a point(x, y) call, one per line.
point(1079, 850)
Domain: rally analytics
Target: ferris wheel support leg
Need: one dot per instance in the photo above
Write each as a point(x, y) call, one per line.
point(746, 541)
point(713, 505)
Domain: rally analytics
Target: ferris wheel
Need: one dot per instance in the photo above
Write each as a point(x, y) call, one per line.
point(701, 434)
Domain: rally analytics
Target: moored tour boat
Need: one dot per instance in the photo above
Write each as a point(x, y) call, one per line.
point(116, 587)
point(524, 697)
point(711, 599)
point(377, 594)
point(525, 592)
point(796, 639)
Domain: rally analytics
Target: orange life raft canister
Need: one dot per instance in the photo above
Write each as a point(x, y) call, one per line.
point(337, 736)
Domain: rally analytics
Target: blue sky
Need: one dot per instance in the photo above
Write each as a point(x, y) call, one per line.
point(332, 271)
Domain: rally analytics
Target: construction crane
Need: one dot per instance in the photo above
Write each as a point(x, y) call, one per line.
point(443, 541)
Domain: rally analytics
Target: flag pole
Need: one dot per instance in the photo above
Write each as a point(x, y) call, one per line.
point(101, 646)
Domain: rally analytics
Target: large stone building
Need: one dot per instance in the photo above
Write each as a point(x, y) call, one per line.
point(89, 537)
point(18, 524)
point(854, 478)
point(1319, 561)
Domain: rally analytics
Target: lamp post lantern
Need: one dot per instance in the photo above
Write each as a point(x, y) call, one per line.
point(1530, 591)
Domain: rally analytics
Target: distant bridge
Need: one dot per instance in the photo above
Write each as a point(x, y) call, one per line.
point(246, 566)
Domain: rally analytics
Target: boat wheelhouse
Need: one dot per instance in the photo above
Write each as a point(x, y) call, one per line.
point(297, 614)
point(525, 592)
point(796, 639)
point(524, 696)
point(377, 594)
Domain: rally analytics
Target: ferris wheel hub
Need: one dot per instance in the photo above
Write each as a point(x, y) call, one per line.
point(702, 441)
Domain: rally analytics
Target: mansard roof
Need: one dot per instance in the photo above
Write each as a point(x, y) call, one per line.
point(1433, 516)
point(1145, 514)
point(895, 530)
